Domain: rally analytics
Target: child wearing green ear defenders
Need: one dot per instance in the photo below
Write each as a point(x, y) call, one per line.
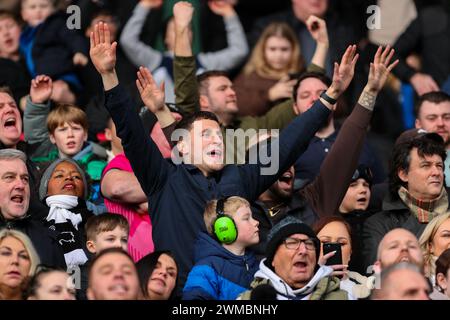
point(223, 266)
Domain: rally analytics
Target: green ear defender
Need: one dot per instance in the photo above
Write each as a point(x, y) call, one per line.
point(223, 226)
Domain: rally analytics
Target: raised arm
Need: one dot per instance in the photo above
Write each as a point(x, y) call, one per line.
point(137, 51)
point(184, 65)
point(237, 48)
point(318, 30)
point(122, 186)
point(295, 138)
point(153, 97)
point(147, 162)
point(37, 110)
point(328, 189)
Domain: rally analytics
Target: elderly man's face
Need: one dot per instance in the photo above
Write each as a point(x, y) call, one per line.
point(14, 189)
point(295, 266)
point(425, 176)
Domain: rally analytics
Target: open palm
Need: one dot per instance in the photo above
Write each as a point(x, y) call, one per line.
point(102, 52)
point(152, 95)
point(380, 68)
point(343, 72)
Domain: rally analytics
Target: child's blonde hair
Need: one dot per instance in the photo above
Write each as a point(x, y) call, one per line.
point(230, 206)
point(66, 113)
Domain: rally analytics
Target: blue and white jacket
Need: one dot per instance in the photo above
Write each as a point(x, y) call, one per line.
point(218, 274)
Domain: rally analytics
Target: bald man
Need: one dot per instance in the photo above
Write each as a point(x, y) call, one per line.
point(398, 245)
point(402, 281)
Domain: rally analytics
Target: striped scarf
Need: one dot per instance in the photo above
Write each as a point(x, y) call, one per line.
point(424, 210)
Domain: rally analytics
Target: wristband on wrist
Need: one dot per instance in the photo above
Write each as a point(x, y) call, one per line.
point(327, 98)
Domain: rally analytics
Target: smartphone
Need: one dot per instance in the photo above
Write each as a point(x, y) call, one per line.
point(333, 246)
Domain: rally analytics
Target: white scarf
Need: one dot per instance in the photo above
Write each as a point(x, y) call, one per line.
point(66, 223)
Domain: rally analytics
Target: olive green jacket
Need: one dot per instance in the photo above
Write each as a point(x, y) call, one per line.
point(187, 100)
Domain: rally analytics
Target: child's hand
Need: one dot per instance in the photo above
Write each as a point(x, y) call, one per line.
point(41, 89)
point(80, 59)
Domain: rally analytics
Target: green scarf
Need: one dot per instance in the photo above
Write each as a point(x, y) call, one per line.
point(425, 210)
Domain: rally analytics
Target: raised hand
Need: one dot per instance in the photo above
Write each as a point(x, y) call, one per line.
point(222, 8)
point(380, 69)
point(182, 14)
point(80, 59)
point(102, 52)
point(151, 95)
point(343, 72)
point(41, 89)
point(318, 29)
point(151, 3)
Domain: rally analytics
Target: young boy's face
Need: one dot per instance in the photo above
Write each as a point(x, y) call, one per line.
point(116, 238)
point(357, 196)
point(69, 138)
point(248, 231)
point(9, 37)
point(35, 12)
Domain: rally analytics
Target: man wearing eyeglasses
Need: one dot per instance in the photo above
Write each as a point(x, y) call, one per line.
point(290, 270)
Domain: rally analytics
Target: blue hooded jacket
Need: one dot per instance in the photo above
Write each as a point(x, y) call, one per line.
point(218, 274)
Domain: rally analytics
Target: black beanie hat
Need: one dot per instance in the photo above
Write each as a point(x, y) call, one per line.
point(282, 230)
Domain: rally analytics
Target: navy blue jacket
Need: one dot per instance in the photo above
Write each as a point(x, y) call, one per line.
point(177, 194)
point(53, 47)
point(307, 166)
point(218, 274)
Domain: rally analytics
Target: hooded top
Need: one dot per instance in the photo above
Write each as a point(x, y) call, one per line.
point(322, 285)
point(218, 274)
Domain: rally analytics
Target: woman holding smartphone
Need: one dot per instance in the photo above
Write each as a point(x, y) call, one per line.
point(334, 234)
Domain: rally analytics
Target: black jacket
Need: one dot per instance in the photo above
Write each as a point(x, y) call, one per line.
point(55, 45)
point(43, 239)
point(395, 214)
point(297, 206)
point(428, 34)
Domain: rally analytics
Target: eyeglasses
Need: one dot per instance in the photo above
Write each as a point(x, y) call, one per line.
point(294, 244)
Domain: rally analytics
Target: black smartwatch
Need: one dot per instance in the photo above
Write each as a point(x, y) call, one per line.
point(327, 98)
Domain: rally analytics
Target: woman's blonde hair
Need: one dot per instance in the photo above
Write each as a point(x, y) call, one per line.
point(230, 206)
point(425, 242)
point(257, 62)
point(22, 237)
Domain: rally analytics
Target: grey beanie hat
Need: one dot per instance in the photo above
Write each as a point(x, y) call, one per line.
point(282, 230)
point(43, 185)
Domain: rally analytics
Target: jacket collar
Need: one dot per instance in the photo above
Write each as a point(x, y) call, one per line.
point(284, 289)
